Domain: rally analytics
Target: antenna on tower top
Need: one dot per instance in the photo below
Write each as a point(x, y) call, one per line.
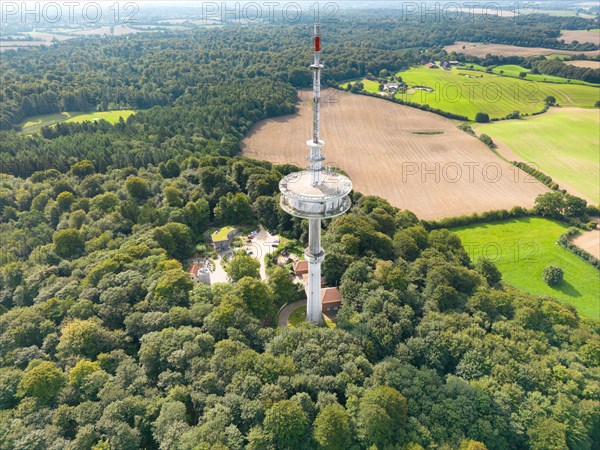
point(315, 157)
point(317, 67)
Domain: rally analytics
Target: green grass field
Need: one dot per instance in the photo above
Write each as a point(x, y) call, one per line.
point(34, 124)
point(564, 145)
point(370, 85)
point(558, 56)
point(468, 92)
point(522, 248)
point(562, 13)
point(297, 316)
point(513, 71)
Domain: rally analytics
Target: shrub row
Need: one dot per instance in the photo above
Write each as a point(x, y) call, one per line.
point(540, 176)
point(487, 141)
point(565, 242)
point(488, 216)
point(542, 111)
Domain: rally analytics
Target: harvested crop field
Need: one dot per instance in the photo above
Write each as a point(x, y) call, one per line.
point(589, 241)
point(584, 63)
point(580, 36)
point(480, 50)
point(118, 30)
point(445, 174)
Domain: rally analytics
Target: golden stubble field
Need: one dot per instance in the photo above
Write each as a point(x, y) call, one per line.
point(588, 64)
point(480, 50)
point(416, 160)
point(580, 36)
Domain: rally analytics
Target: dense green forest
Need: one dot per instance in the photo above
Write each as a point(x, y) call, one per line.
point(151, 69)
point(105, 342)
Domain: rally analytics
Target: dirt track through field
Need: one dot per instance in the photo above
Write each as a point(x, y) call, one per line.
point(480, 50)
point(445, 174)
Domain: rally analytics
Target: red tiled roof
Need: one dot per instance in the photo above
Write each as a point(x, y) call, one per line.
point(194, 269)
point(331, 295)
point(301, 267)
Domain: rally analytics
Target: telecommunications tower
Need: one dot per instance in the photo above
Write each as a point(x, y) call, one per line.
point(315, 194)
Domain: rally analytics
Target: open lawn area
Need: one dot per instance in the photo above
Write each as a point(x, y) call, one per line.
point(370, 85)
point(109, 116)
point(588, 64)
point(299, 315)
point(513, 70)
point(522, 248)
point(592, 36)
point(34, 124)
point(468, 92)
point(563, 143)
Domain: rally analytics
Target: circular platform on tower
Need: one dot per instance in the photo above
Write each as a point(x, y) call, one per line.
point(301, 198)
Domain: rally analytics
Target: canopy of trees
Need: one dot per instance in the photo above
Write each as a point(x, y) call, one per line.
point(109, 344)
point(105, 342)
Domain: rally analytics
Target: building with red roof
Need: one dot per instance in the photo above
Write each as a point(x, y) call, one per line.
point(300, 268)
point(331, 300)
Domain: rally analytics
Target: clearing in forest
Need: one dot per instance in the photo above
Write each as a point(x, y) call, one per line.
point(588, 64)
point(581, 36)
point(589, 241)
point(34, 124)
point(416, 160)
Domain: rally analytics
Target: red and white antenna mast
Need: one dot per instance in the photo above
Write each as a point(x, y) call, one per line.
point(315, 157)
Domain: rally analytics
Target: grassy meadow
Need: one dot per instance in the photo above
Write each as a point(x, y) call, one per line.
point(563, 144)
point(467, 92)
point(370, 85)
point(34, 124)
point(513, 71)
point(298, 316)
point(522, 248)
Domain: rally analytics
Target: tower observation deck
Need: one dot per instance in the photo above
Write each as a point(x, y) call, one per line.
point(315, 194)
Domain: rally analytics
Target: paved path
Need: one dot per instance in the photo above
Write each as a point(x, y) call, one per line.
point(284, 315)
point(219, 275)
point(262, 245)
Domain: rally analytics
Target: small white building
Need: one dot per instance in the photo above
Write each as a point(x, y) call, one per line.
point(200, 273)
point(391, 87)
